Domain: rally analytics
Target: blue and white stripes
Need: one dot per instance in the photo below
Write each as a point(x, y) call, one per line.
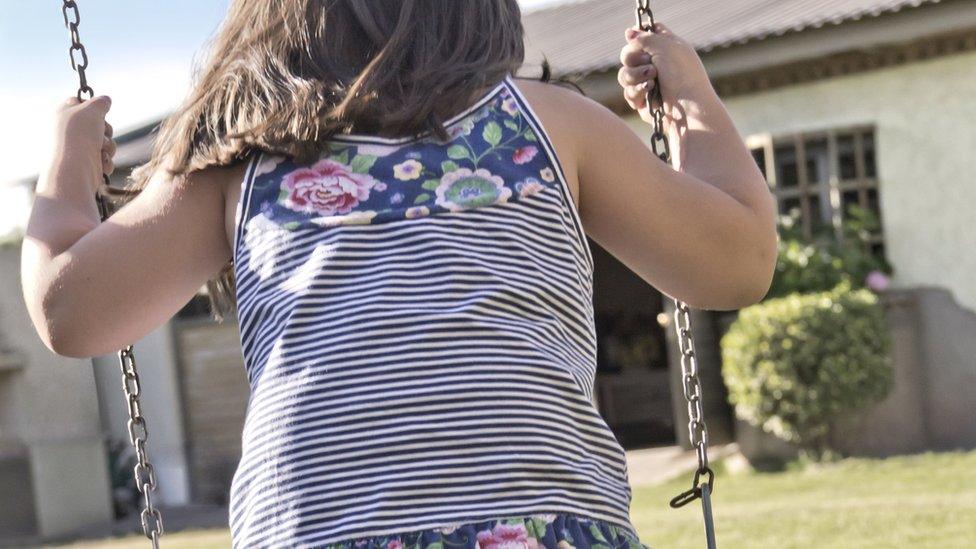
point(423, 370)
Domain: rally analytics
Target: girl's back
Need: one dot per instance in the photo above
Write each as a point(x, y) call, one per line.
point(417, 326)
point(416, 313)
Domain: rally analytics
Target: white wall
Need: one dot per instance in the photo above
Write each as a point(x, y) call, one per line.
point(161, 406)
point(55, 415)
point(924, 113)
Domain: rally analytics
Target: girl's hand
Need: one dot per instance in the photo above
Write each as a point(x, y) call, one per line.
point(663, 54)
point(83, 135)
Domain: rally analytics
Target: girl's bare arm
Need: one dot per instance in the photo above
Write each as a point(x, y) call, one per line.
point(702, 230)
point(92, 287)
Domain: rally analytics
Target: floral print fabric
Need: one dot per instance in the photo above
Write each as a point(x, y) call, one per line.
point(493, 157)
point(551, 531)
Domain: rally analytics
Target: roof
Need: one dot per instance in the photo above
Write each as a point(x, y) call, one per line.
point(586, 35)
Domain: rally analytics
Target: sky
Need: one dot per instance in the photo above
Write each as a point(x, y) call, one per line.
point(140, 53)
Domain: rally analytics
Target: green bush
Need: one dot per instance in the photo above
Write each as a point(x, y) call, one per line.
point(823, 263)
point(794, 364)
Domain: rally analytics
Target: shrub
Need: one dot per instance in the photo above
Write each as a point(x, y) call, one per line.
point(794, 364)
point(820, 265)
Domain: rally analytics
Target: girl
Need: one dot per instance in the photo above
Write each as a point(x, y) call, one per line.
point(400, 223)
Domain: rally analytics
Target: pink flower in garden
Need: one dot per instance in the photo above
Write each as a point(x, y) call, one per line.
point(507, 536)
point(877, 281)
point(325, 188)
point(524, 155)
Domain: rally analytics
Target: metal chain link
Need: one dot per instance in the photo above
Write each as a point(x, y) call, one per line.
point(145, 475)
point(691, 384)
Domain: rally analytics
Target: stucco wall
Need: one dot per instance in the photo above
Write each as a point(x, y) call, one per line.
point(54, 414)
point(924, 114)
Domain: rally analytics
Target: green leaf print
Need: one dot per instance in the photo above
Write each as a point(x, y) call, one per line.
point(291, 225)
point(422, 197)
point(342, 158)
point(492, 134)
point(436, 545)
point(530, 135)
point(539, 528)
point(634, 544)
point(361, 163)
point(449, 166)
point(283, 194)
point(431, 184)
point(511, 125)
point(457, 152)
point(597, 534)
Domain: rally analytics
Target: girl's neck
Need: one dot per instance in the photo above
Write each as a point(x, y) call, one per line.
point(443, 112)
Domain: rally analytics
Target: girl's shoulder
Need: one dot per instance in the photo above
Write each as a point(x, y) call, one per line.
point(571, 120)
point(571, 117)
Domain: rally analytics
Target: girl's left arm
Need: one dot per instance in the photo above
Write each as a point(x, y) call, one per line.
point(92, 287)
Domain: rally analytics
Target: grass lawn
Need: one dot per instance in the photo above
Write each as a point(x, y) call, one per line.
point(921, 501)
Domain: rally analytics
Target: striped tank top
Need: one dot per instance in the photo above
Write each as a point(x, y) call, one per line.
point(416, 320)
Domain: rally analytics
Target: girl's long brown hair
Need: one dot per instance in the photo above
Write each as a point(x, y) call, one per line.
point(283, 76)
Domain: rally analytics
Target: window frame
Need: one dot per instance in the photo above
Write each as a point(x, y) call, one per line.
point(833, 186)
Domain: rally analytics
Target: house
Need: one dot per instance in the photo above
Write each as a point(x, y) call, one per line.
point(842, 101)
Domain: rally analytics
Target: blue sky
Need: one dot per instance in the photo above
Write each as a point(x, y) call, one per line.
point(140, 53)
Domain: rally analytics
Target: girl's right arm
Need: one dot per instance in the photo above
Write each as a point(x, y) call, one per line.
point(92, 287)
point(703, 229)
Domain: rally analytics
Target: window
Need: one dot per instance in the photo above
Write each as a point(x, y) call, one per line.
point(820, 175)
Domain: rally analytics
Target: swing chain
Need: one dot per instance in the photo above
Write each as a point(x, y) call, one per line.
point(659, 140)
point(690, 382)
point(143, 472)
point(71, 20)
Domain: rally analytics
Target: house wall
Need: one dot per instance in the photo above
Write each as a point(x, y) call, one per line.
point(161, 404)
point(54, 416)
point(924, 141)
point(925, 164)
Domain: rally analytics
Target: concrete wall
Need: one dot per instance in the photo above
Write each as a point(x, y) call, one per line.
point(925, 142)
point(161, 405)
point(50, 407)
point(931, 404)
point(948, 358)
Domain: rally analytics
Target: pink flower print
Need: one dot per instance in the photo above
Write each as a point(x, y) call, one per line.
point(528, 187)
point(507, 536)
point(395, 544)
point(463, 189)
point(462, 128)
point(547, 175)
point(409, 170)
point(510, 106)
point(325, 188)
point(524, 155)
point(877, 281)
